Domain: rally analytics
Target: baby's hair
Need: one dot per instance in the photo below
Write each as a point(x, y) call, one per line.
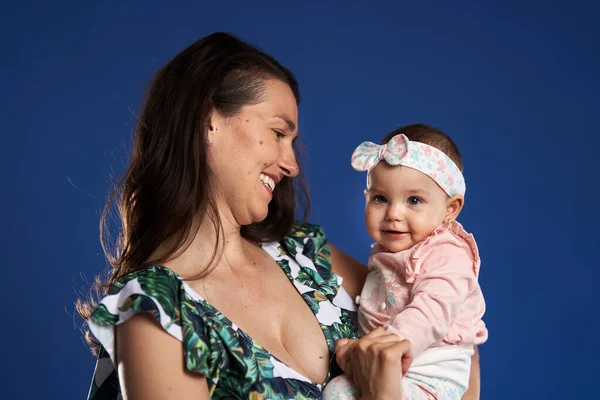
point(429, 135)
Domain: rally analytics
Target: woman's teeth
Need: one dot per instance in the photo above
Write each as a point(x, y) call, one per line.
point(268, 181)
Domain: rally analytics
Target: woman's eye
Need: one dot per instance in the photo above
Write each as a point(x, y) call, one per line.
point(380, 199)
point(413, 201)
point(279, 134)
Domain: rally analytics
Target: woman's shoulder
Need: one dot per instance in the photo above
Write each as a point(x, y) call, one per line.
point(307, 240)
point(150, 277)
point(301, 230)
point(140, 291)
point(161, 293)
point(311, 238)
point(305, 257)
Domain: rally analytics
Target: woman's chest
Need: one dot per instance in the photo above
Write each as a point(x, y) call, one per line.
point(269, 309)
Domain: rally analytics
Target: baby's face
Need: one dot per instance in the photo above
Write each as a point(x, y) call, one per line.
point(403, 206)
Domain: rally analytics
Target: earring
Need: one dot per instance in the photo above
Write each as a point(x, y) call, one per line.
point(207, 142)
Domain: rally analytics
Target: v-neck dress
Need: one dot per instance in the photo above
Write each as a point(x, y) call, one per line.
point(235, 366)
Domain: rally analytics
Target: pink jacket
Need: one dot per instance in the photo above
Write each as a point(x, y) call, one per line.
point(427, 294)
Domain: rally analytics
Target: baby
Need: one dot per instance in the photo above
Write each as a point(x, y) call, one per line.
point(422, 281)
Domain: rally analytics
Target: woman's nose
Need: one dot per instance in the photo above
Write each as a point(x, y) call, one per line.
point(288, 164)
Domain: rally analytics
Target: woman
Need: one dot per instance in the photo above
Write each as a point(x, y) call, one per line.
point(210, 259)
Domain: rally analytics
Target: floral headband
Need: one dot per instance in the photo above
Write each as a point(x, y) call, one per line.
point(422, 157)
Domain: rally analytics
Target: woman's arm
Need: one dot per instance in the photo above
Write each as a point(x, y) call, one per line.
point(151, 363)
point(352, 272)
point(473, 393)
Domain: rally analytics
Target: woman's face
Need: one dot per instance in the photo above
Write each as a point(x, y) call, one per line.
point(250, 153)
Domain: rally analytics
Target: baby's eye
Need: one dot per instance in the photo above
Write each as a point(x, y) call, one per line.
point(413, 201)
point(380, 199)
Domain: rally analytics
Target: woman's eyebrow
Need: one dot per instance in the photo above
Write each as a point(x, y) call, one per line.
point(291, 125)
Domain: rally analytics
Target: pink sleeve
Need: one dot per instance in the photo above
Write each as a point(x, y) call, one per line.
point(446, 269)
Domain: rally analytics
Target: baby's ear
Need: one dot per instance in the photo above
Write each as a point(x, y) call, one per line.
point(453, 207)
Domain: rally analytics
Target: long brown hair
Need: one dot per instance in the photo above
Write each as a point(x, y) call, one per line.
point(168, 181)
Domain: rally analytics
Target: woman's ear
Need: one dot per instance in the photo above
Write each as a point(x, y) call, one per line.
point(453, 207)
point(210, 126)
point(213, 123)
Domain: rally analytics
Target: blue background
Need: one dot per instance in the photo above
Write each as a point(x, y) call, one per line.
point(515, 85)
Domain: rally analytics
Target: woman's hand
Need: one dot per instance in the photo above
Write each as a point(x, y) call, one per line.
point(376, 363)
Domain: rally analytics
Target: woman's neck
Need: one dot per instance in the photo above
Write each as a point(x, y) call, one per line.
point(205, 249)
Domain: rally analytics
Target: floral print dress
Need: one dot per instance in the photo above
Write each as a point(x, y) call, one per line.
point(235, 366)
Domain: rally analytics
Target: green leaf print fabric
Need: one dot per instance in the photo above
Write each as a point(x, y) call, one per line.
point(234, 365)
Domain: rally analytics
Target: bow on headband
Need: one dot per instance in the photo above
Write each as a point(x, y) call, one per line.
point(422, 157)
